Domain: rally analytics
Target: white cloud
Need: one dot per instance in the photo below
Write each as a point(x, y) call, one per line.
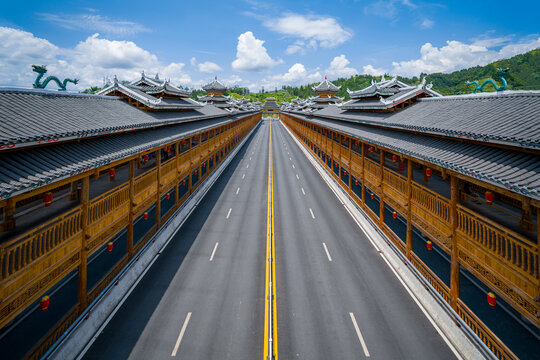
point(90, 61)
point(206, 67)
point(427, 24)
point(94, 23)
point(296, 75)
point(293, 49)
point(370, 70)
point(457, 55)
point(251, 55)
point(338, 68)
point(315, 30)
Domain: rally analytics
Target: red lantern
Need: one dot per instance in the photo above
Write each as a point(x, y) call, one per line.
point(356, 143)
point(401, 166)
point(195, 172)
point(168, 196)
point(109, 246)
point(47, 198)
point(356, 182)
point(168, 149)
point(489, 197)
point(372, 196)
point(491, 299)
point(204, 165)
point(183, 182)
point(145, 216)
point(371, 149)
point(336, 164)
point(394, 158)
point(344, 172)
point(428, 172)
point(44, 303)
point(112, 173)
point(184, 143)
point(145, 158)
point(429, 245)
point(394, 215)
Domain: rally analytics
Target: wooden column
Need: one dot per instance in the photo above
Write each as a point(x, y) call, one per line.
point(454, 260)
point(363, 172)
point(381, 187)
point(73, 190)
point(82, 276)
point(350, 164)
point(9, 215)
point(158, 191)
point(176, 167)
point(409, 208)
point(131, 208)
point(525, 221)
point(190, 180)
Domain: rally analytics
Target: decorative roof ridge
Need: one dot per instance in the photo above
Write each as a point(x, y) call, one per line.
point(498, 94)
point(53, 93)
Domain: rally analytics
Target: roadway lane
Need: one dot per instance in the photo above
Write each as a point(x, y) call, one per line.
point(327, 270)
point(204, 297)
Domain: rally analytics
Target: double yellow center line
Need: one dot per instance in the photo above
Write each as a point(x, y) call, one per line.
point(270, 318)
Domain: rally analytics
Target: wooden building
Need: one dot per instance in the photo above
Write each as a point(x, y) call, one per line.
point(215, 95)
point(454, 182)
point(85, 181)
point(326, 92)
point(270, 106)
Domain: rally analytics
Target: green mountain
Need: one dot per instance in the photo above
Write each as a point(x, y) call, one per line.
point(524, 74)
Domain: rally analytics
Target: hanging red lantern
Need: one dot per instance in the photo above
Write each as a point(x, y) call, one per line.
point(356, 182)
point(394, 158)
point(112, 173)
point(336, 164)
point(428, 172)
point(183, 143)
point(401, 166)
point(109, 246)
point(44, 303)
point(491, 299)
point(145, 158)
point(204, 165)
point(371, 149)
point(145, 216)
point(168, 196)
point(372, 196)
point(489, 197)
point(394, 215)
point(48, 198)
point(356, 143)
point(344, 173)
point(195, 172)
point(429, 245)
point(168, 149)
point(183, 182)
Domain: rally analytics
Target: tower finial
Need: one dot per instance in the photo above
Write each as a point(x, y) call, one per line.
point(325, 78)
point(215, 77)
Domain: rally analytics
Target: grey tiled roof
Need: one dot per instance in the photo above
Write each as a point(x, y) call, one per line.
point(510, 118)
point(214, 85)
point(514, 170)
point(29, 168)
point(326, 86)
point(30, 117)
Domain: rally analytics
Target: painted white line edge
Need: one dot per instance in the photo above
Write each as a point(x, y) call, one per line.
point(237, 190)
point(229, 213)
point(303, 192)
point(327, 253)
point(213, 252)
point(179, 340)
point(311, 211)
point(359, 334)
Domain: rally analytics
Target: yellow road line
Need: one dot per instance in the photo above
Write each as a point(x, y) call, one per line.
point(270, 319)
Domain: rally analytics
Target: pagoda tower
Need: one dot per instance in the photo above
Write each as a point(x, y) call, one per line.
point(325, 95)
point(215, 94)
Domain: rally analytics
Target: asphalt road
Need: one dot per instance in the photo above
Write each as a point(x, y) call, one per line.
point(204, 297)
point(326, 270)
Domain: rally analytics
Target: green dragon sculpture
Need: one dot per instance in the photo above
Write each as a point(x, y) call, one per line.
point(478, 87)
point(41, 70)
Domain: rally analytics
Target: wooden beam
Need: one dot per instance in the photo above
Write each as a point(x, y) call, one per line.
point(454, 256)
point(363, 174)
point(158, 191)
point(525, 221)
point(409, 209)
point(131, 208)
point(176, 167)
point(381, 186)
point(83, 273)
point(9, 218)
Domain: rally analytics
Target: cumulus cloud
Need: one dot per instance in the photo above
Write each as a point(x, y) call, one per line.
point(373, 71)
point(94, 23)
point(206, 67)
point(339, 68)
point(90, 61)
point(427, 24)
point(313, 30)
point(457, 55)
point(296, 75)
point(251, 55)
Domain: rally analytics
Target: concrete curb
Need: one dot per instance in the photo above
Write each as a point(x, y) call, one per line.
point(445, 325)
point(80, 336)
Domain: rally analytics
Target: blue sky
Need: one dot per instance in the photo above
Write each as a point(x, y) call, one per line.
point(255, 44)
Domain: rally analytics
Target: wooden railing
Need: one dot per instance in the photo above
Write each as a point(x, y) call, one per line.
point(18, 253)
point(434, 203)
point(515, 250)
point(493, 342)
point(372, 171)
point(108, 202)
point(397, 182)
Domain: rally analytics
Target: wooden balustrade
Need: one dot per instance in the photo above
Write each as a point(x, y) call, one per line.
point(107, 202)
point(434, 203)
point(481, 237)
point(372, 171)
point(18, 253)
point(396, 186)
